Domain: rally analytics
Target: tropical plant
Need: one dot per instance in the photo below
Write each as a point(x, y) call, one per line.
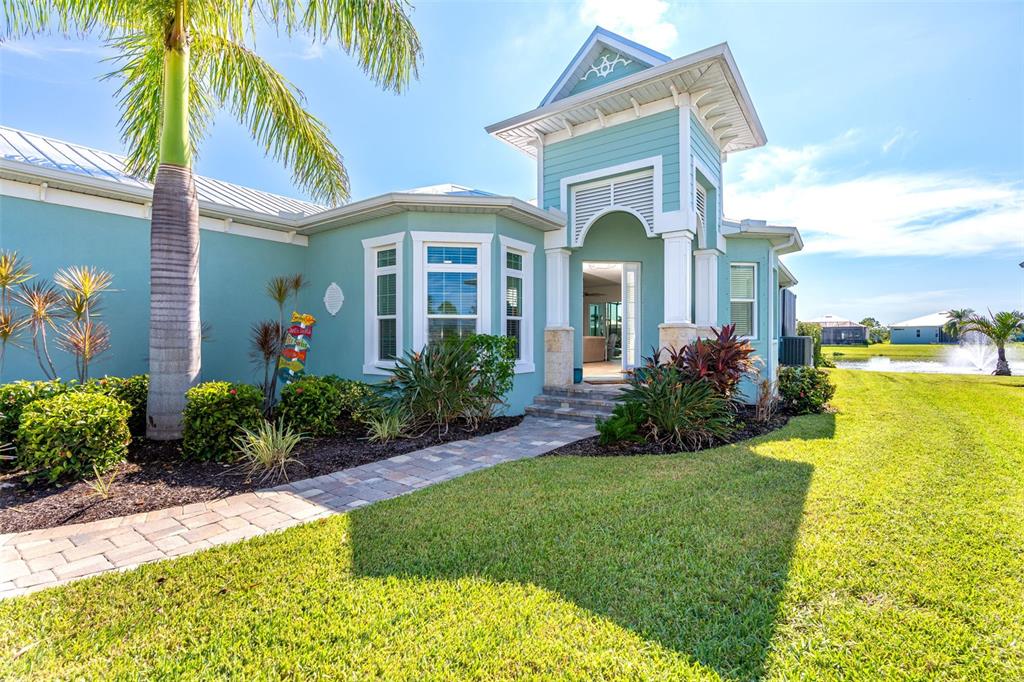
point(13, 272)
point(496, 369)
point(178, 62)
point(805, 390)
point(358, 399)
point(722, 360)
point(767, 400)
point(216, 412)
point(265, 345)
point(265, 451)
point(674, 408)
point(1000, 328)
point(102, 486)
point(45, 307)
point(956, 320)
point(82, 335)
point(438, 386)
point(622, 425)
point(385, 425)
point(72, 434)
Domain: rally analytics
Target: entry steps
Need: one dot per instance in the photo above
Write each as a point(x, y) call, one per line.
point(580, 403)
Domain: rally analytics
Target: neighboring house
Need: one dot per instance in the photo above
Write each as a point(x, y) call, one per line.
point(629, 146)
point(837, 331)
point(924, 329)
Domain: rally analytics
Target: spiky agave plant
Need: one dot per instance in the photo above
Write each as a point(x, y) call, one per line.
point(45, 305)
point(179, 61)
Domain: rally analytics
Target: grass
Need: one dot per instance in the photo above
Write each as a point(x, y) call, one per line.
point(885, 541)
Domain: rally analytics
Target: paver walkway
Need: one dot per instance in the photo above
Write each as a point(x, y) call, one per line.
point(42, 558)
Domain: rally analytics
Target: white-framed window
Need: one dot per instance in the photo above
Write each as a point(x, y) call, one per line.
point(517, 306)
point(382, 340)
point(452, 272)
point(743, 298)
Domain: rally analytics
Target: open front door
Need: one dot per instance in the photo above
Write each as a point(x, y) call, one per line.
point(630, 315)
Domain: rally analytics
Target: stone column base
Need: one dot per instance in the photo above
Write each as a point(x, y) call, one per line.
point(678, 334)
point(558, 356)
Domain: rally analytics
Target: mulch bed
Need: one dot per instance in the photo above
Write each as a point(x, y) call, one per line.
point(155, 476)
point(748, 428)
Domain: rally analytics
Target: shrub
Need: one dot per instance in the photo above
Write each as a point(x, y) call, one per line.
point(722, 361)
point(311, 405)
point(72, 435)
point(677, 409)
point(265, 451)
point(805, 390)
point(496, 368)
point(814, 331)
point(357, 397)
point(216, 412)
point(16, 395)
point(622, 425)
point(133, 390)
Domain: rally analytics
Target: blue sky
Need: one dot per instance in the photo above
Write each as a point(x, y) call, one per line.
point(896, 131)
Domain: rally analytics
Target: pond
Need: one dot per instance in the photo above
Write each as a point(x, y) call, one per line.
point(966, 359)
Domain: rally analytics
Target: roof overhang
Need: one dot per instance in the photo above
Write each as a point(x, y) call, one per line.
point(101, 187)
point(783, 238)
point(710, 78)
point(786, 278)
point(366, 209)
point(398, 202)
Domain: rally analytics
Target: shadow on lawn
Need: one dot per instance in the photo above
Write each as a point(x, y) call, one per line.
point(690, 551)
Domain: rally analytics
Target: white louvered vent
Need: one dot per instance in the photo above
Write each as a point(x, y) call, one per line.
point(634, 191)
point(702, 207)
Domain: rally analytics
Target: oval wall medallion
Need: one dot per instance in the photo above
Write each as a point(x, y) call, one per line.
point(333, 298)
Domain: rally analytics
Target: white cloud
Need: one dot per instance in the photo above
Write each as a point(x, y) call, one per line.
point(42, 50)
point(878, 214)
point(644, 21)
point(901, 135)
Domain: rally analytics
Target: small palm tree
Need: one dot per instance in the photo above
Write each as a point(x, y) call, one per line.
point(999, 328)
point(45, 307)
point(180, 61)
point(13, 272)
point(955, 321)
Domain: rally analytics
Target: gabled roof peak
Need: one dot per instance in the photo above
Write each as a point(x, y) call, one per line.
point(604, 56)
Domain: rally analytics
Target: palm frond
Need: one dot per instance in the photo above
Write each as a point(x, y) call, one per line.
point(265, 341)
point(272, 108)
point(68, 17)
point(279, 289)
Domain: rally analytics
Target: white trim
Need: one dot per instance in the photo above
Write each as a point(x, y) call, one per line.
point(420, 240)
point(654, 163)
point(525, 364)
point(371, 246)
point(539, 146)
point(611, 120)
point(135, 209)
point(557, 289)
point(678, 277)
point(754, 321)
point(705, 278)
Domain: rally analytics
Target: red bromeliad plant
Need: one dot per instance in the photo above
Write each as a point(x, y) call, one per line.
point(722, 361)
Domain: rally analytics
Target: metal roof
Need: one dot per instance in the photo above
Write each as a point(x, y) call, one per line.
point(933, 320)
point(449, 189)
point(834, 321)
point(49, 153)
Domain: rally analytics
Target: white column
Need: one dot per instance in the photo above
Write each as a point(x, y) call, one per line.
point(678, 279)
point(557, 287)
point(706, 287)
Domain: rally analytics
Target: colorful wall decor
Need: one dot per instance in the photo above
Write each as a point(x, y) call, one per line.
point(292, 363)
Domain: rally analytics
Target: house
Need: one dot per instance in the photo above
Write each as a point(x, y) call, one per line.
point(629, 146)
point(924, 329)
point(837, 331)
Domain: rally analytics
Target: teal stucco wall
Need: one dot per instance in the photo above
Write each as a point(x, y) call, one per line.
point(655, 135)
point(233, 272)
point(619, 237)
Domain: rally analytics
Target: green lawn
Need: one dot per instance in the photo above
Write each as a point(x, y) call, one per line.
point(885, 541)
point(904, 351)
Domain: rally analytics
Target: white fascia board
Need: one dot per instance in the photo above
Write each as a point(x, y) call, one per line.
point(786, 239)
point(786, 278)
point(720, 52)
point(394, 202)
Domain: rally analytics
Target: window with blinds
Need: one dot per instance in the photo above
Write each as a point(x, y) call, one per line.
point(743, 298)
point(634, 191)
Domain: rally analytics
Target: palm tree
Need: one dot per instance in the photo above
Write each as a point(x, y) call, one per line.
point(999, 328)
point(955, 321)
point(179, 61)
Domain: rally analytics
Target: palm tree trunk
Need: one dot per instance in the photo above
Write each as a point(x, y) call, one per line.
point(1002, 366)
point(174, 324)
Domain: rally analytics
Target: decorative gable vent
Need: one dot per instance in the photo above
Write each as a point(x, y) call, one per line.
point(634, 191)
